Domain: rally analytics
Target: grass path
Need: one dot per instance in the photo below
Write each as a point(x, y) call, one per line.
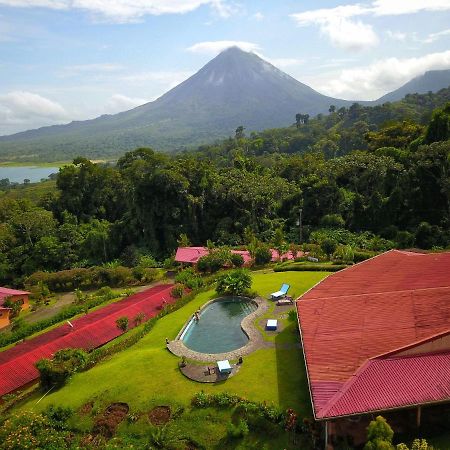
point(147, 374)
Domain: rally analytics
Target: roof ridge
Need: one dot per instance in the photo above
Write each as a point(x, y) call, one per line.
point(412, 345)
point(344, 388)
point(332, 402)
point(376, 293)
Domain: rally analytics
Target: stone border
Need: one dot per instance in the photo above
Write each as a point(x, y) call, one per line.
point(255, 341)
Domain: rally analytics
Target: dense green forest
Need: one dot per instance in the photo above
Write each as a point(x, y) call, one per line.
point(371, 177)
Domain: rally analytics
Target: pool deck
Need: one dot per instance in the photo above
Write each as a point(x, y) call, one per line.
point(204, 374)
point(255, 337)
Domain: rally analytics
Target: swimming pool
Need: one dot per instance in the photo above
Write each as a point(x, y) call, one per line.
point(219, 328)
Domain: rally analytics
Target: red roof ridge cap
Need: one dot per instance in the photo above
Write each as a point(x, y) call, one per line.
point(343, 270)
point(414, 344)
point(374, 293)
point(343, 389)
point(354, 377)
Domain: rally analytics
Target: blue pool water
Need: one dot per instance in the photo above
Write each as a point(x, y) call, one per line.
point(219, 328)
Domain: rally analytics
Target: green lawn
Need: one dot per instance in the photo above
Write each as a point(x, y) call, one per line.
point(147, 374)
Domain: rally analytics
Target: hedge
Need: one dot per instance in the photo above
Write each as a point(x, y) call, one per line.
point(91, 278)
point(310, 268)
point(360, 256)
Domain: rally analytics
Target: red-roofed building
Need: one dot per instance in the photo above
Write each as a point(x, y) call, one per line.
point(191, 255)
point(15, 296)
point(376, 336)
point(92, 330)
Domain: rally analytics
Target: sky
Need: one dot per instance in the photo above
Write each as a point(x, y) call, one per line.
point(64, 60)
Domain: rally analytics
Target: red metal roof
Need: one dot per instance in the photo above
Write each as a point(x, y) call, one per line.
point(6, 292)
point(89, 331)
point(387, 383)
point(391, 301)
point(193, 254)
point(190, 254)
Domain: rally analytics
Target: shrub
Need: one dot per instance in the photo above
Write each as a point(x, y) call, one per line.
point(234, 282)
point(58, 416)
point(64, 363)
point(328, 246)
point(310, 268)
point(14, 305)
point(345, 253)
point(177, 291)
point(80, 298)
point(147, 261)
point(145, 274)
point(332, 221)
point(163, 437)
point(259, 424)
point(106, 292)
point(292, 315)
point(189, 278)
point(40, 293)
point(122, 323)
point(28, 429)
point(404, 239)
point(268, 412)
point(263, 255)
point(82, 278)
point(237, 431)
point(215, 260)
point(237, 260)
point(362, 256)
point(201, 400)
point(17, 324)
point(138, 319)
point(379, 435)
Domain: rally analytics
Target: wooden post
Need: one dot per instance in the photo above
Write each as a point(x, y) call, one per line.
point(419, 416)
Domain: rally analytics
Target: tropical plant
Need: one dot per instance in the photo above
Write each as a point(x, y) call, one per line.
point(122, 323)
point(379, 435)
point(234, 282)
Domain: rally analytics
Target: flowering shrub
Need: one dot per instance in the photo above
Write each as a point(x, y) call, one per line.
point(28, 430)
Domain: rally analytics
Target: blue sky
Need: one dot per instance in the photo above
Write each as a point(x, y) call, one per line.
point(63, 60)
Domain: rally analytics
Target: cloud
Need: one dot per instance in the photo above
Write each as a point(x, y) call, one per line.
point(122, 11)
point(166, 79)
point(258, 16)
point(29, 110)
point(344, 31)
point(52, 4)
point(400, 7)
point(96, 67)
point(283, 63)
point(119, 102)
point(383, 76)
point(396, 35)
point(435, 36)
point(215, 47)
point(337, 25)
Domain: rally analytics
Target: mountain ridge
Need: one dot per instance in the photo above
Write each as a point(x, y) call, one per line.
point(234, 88)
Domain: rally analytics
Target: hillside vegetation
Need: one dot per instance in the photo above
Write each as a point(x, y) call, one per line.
point(363, 179)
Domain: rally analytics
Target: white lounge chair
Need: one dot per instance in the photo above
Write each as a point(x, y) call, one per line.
point(281, 293)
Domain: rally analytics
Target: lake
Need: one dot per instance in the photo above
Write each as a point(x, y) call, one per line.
point(19, 173)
